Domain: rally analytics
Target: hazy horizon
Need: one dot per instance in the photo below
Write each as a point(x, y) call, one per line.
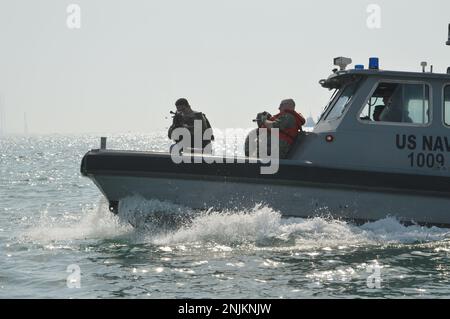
point(123, 69)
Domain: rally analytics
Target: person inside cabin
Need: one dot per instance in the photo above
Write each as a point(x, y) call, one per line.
point(393, 110)
point(289, 123)
point(377, 112)
point(185, 117)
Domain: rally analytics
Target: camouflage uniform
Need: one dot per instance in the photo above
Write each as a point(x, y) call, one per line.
point(187, 121)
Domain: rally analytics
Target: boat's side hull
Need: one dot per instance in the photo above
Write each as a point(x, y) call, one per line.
point(300, 199)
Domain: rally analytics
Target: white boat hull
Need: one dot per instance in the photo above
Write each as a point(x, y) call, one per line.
point(296, 201)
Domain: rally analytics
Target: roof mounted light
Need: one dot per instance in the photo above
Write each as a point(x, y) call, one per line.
point(448, 42)
point(374, 63)
point(342, 62)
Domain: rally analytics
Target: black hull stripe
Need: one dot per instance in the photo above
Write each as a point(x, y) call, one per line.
point(161, 165)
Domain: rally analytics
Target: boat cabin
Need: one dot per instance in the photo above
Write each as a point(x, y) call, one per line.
point(383, 121)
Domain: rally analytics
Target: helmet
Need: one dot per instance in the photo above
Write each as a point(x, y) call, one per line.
point(182, 102)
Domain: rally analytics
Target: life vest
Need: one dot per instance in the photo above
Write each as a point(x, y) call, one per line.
point(289, 134)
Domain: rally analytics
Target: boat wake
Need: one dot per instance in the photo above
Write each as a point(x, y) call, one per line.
point(163, 223)
point(94, 222)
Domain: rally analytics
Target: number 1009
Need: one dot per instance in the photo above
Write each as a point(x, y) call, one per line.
point(429, 160)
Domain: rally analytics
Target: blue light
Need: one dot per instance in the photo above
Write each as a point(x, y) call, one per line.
point(359, 67)
point(374, 64)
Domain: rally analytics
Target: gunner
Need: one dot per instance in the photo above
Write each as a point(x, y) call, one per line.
point(289, 123)
point(185, 117)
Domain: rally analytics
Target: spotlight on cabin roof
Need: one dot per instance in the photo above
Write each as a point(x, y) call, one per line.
point(342, 62)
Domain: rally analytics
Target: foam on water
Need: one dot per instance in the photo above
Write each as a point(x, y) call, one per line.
point(93, 223)
point(143, 213)
point(253, 226)
point(261, 226)
point(264, 226)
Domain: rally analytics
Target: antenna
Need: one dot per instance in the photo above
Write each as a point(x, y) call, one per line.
point(448, 42)
point(2, 118)
point(424, 65)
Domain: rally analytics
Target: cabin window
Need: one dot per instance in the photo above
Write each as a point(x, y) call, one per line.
point(342, 102)
point(447, 105)
point(398, 103)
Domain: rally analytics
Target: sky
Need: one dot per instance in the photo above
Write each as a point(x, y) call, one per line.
point(127, 63)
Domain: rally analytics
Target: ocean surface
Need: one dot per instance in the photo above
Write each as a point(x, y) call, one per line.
point(58, 240)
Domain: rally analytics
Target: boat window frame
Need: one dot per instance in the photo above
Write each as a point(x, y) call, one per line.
point(331, 101)
point(444, 86)
point(372, 91)
point(337, 97)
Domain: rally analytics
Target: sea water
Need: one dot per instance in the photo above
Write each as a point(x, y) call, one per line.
point(58, 240)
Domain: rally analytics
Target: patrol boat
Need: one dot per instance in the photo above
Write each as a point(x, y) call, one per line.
point(381, 147)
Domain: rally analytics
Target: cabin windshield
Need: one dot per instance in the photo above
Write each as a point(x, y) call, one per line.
point(327, 107)
point(338, 105)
